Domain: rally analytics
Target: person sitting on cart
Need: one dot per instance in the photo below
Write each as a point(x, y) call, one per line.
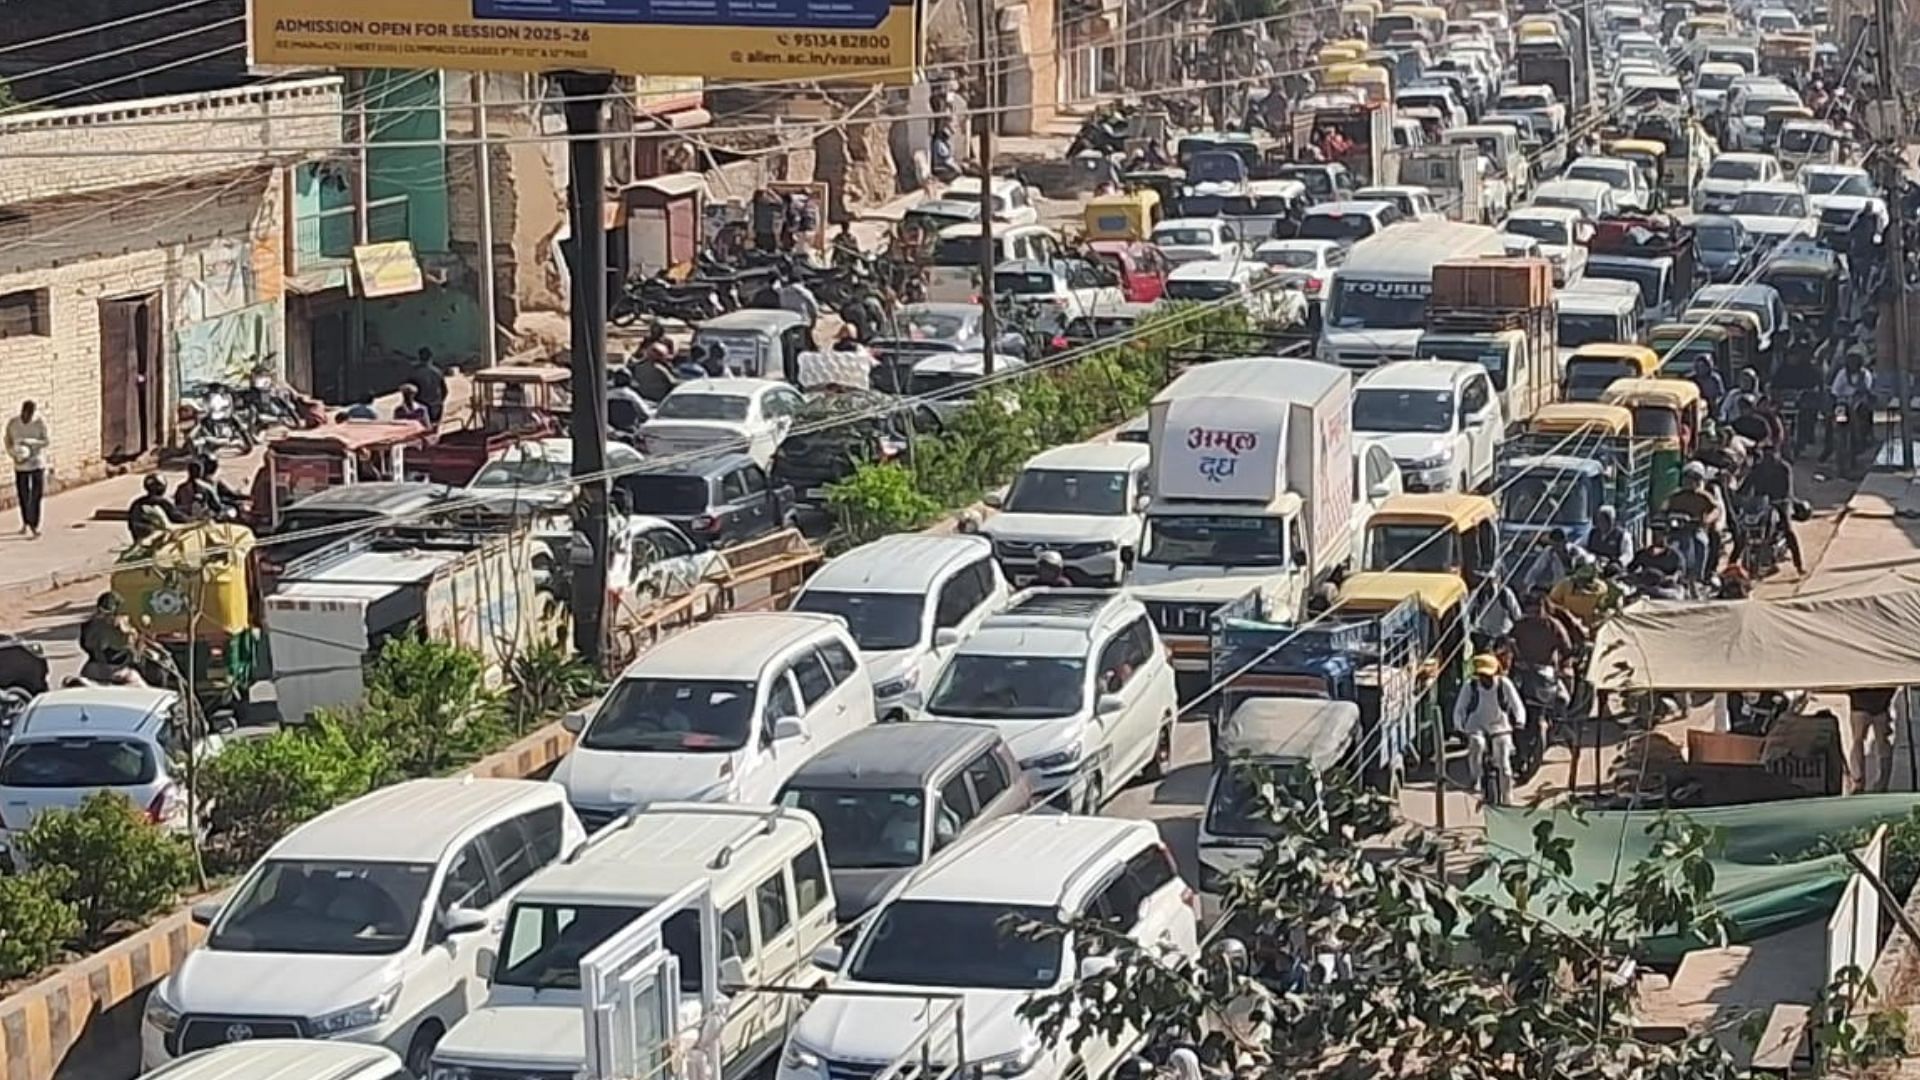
point(106, 637)
point(153, 512)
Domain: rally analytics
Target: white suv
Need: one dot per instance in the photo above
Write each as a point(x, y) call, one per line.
point(1077, 682)
point(1080, 501)
point(286, 1059)
point(947, 930)
point(372, 923)
point(723, 712)
point(908, 599)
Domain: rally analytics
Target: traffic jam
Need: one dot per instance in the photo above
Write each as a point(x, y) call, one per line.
point(1541, 312)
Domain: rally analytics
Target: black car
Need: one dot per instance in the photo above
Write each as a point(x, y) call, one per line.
point(842, 430)
point(717, 501)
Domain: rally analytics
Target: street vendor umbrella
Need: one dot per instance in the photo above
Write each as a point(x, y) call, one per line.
point(1844, 639)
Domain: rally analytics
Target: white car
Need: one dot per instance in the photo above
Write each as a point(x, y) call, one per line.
point(1773, 213)
point(1824, 183)
point(1348, 222)
point(1631, 190)
point(1711, 84)
point(662, 563)
point(749, 416)
point(1562, 233)
point(70, 743)
point(1080, 501)
point(1211, 280)
point(1067, 289)
point(908, 599)
point(1185, 240)
point(1440, 419)
point(1309, 264)
point(1729, 175)
point(535, 474)
point(1776, 20)
point(1415, 201)
point(945, 932)
point(1592, 198)
point(1078, 683)
point(1749, 126)
point(1011, 202)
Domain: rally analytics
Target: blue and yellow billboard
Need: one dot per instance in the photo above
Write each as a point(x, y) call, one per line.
point(862, 40)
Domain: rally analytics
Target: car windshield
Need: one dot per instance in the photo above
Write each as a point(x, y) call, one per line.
point(1201, 288)
point(1800, 290)
point(1611, 175)
point(982, 686)
point(1588, 379)
point(1733, 169)
point(1383, 412)
point(324, 906)
point(1545, 230)
point(1828, 183)
point(1758, 106)
point(652, 493)
point(1183, 237)
point(958, 945)
point(957, 252)
point(1648, 277)
point(1337, 227)
point(1804, 140)
point(1716, 237)
point(1100, 492)
point(1289, 258)
point(679, 406)
point(1574, 330)
point(1653, 421)
point(879, 621)
point(1413, 547)
point(84, 762)
point(1381, 305)
point(923, 325)
point(544, 943)
point(866, 828)
point(1224, 540)
point(1715, 80)
point(1771, 203)
point(522, 471)
point(684, 715)
point(1011, 283)
point(1236, 809)
point(1536, 499)
point(1215, 168)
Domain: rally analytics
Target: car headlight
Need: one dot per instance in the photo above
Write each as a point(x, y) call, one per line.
point(161, 1013)
point(354, 1017)
point(1437, 461)
point(897, 685)
point(450, 1072)
point(799, 1057)
point(1010, 1064)
point(1059, 759)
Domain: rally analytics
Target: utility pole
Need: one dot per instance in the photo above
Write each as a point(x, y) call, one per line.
point(1891, 140)
point(586, 98)
point(984, 118)
point(489, 303)
point(357, 93)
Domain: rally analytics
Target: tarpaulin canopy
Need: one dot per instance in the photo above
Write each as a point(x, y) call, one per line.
point(1769, 874)
point(1850, 636)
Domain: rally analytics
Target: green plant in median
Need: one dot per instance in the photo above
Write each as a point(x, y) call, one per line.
point(545, 681)
point(119, 866)
point(877, 500)
point(259, 789)
point(35, 923)
point(429, 705)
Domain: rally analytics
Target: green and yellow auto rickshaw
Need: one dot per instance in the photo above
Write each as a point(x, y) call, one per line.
point(1442, 599)
point(1667, 414)
point(189, 592)
point(1594, 367)
point(1681, 344)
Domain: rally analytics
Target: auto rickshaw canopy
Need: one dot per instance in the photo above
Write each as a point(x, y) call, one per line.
point(1646, 359)
point(188, 582)
point(1665, 393)
point(1127, 215)
point(1459, 512)
point(1566, 417)
point(1439, 595)
point(1291, 730)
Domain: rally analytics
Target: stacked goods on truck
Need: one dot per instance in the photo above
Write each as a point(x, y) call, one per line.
point(1498, 313)
point(1654, 251)
point(1450, 170)
point(1252, 495)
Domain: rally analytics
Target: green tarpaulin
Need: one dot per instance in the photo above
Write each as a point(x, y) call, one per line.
point(1763, 882)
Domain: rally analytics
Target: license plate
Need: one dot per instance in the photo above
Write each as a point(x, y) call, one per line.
point(817, 493)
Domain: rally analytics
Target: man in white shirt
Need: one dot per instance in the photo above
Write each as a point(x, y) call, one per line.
point(1486, 711)
point(27, 440)
point(1852, 387)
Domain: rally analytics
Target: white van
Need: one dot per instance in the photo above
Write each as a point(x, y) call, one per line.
point(722, 712)
point(369, 924)
point(954, 276)
point(285, 1059)
point(772, 907)
point(908, 599)
point(1378, 306)
point(944, 931)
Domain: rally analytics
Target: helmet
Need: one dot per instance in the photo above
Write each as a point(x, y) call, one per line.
point(1694, 470)
point(1052, 560)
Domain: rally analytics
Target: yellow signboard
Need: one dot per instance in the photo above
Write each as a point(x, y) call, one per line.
point(863, 40)
point(387, 269)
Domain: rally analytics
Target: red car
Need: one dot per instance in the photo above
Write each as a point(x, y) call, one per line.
point(1143, 270)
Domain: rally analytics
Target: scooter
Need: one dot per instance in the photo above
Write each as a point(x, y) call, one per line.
point(1762, 544)
point(1545, 698)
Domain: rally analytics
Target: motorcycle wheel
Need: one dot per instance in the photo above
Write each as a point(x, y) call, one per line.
point(623, 313)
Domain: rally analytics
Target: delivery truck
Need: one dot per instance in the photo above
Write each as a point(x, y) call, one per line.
point(1252, 495)
point(1498, 312)
point(335, 609)
point(1451, 171)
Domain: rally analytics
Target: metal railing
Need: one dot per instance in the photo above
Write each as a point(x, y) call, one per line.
point(329, 235)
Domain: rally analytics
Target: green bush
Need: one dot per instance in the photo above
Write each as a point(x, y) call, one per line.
point(428, 704)
point(257, 790)
point(118, 865)
point(880, 499)
point(543, 682)
point(35, 923)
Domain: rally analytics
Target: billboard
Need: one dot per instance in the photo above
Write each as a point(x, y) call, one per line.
point(862, 40)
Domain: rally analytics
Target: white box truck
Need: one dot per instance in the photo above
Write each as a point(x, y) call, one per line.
point(1252, 494)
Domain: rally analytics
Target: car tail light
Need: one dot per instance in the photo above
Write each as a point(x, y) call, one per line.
point(157, 809)
point(1315, 284)
point(1060, 341)
point(706, 523)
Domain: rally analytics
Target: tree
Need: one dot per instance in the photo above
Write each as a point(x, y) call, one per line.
point(1362, 960)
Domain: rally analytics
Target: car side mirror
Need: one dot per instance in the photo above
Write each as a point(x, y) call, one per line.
point(946, 637)
point(574, 722)
point(733, 974)
point(483, 962)
point(789, 727)
point(1141, 503)
point(205, 912)
point(1379, 491)
point(829, 957)
point(994, 499)
point(1109, 704)
point(463, 920)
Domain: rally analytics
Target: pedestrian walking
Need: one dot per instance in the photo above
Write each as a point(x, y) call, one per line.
point(27, 440)
point(430, 385)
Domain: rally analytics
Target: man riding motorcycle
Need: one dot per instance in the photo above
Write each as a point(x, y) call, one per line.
point(1701, 510)
point(1658, 567)
point(1771, 478)
point(1486, 711)
point(1850, 398)
point(1607, 541)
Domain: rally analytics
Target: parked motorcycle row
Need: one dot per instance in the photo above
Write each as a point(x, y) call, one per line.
point(217, 417)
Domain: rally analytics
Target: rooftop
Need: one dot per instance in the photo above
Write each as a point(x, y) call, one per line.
point(727, 647)
point(656, 853)
point(416, 821)
point(893, 756)
point(1050, 852)
point(903, 562)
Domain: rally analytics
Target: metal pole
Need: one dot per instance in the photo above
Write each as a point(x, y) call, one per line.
point(357, 91)
point(984, 119)
point(1890, 160)
point(1439, 762)
point(586, 182)
point(489, 303)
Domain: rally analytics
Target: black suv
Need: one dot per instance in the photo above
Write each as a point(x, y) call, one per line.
point(841, 430)
point(717, 501)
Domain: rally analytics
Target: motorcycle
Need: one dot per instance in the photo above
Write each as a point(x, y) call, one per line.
point(1545, 698)
point(264, 404)
point(692, 303)
point(1762, 543)
point(1105, 134)
point(210, 421)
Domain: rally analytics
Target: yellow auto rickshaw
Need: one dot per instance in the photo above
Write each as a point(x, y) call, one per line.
point(1743, 336)
point(1583, 418)
point(1129, 215)
point(1442, 599)
point(1330, 56)
point(1435, 533)
point(1667, 414)
point(189, 591)
point(1375, 84)
point(1594, 367)
point(1681, 345)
